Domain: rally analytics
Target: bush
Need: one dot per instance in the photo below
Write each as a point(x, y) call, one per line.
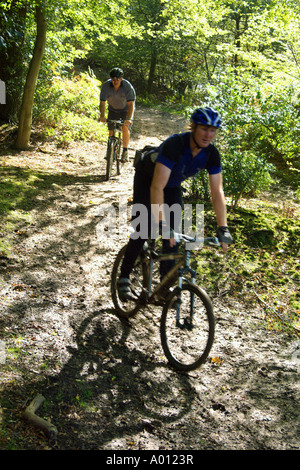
point(260, 132)
point(70, 107)
point(245, 174)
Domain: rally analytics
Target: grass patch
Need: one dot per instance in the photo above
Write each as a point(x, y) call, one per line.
point(18, 188)
point(262, 266)
point(23, 191)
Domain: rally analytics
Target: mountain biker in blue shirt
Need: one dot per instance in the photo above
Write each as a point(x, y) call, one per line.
point(179, 157)
point(120, 96)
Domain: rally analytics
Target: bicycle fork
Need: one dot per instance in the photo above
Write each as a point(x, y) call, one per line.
point(112, 144)
point(187, 322)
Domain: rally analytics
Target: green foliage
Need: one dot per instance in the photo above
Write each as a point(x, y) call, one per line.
point(71, 109)
point(245, 174)
point(12, 34)
point(175, 49)
point(262, 266)
point(197, 188)
point(260, 132)
point(277, 115)
point(18, 190)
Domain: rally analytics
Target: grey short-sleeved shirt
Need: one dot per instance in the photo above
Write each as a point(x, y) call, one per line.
point(117, 100)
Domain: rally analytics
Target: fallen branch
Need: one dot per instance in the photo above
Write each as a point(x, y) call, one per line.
point(50, 152)
point(31, 417)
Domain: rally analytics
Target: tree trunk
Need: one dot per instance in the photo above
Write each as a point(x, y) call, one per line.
point(152, 70)
point(25, 120)
point(237, 41)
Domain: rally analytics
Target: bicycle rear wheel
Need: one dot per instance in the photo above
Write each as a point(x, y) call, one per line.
point(138, 280)
point(187, 327)
point(109, 157)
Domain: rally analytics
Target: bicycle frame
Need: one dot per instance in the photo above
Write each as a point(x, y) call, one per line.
point(117, 129)
point(181, 267)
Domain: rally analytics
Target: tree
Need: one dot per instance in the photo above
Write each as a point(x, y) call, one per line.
point(25, 121)
point(12, 28)
point(73, 20)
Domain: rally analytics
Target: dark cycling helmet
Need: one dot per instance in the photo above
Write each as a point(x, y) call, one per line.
point(116, 72)
point(207, 116)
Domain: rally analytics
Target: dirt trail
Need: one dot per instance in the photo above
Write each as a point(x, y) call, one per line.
point(106, 381)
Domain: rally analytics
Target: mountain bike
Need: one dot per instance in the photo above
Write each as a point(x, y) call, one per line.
point(113, 152)
point(187, 319)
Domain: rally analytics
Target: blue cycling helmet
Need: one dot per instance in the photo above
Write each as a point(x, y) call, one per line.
point(206, 116)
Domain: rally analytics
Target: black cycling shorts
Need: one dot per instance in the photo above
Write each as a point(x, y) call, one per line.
point(115, 115)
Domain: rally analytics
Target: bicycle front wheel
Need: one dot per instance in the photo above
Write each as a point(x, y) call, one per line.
point(118, 157)
point(138, 278)
point(109, 158)
point(187, 327)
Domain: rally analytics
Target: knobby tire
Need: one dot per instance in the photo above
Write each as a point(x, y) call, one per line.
point(138, 279)
point(118, 159)
point(109, 158)
point(188, 344)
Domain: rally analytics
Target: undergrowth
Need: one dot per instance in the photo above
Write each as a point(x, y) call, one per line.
point(22, 192)
point(262, 267)
point(69, 110)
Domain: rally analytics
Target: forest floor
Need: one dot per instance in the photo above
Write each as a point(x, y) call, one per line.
point(106, 381)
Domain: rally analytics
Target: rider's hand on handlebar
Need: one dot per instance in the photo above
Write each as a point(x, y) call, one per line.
point(224, 237)
point(102, 119)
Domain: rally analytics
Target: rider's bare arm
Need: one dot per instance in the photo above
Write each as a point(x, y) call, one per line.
point(218, 201)
point(102, 111)
point(130, 112)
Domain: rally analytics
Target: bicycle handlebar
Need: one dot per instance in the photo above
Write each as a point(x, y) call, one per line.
point(188, 239)
point(120, 121)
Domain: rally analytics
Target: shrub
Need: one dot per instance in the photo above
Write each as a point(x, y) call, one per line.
point(245, 174)
point(70, 107)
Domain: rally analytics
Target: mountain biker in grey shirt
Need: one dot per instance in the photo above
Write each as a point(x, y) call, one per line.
point(120, 96)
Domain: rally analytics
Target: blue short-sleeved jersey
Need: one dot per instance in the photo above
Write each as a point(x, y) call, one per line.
point(175, 153)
